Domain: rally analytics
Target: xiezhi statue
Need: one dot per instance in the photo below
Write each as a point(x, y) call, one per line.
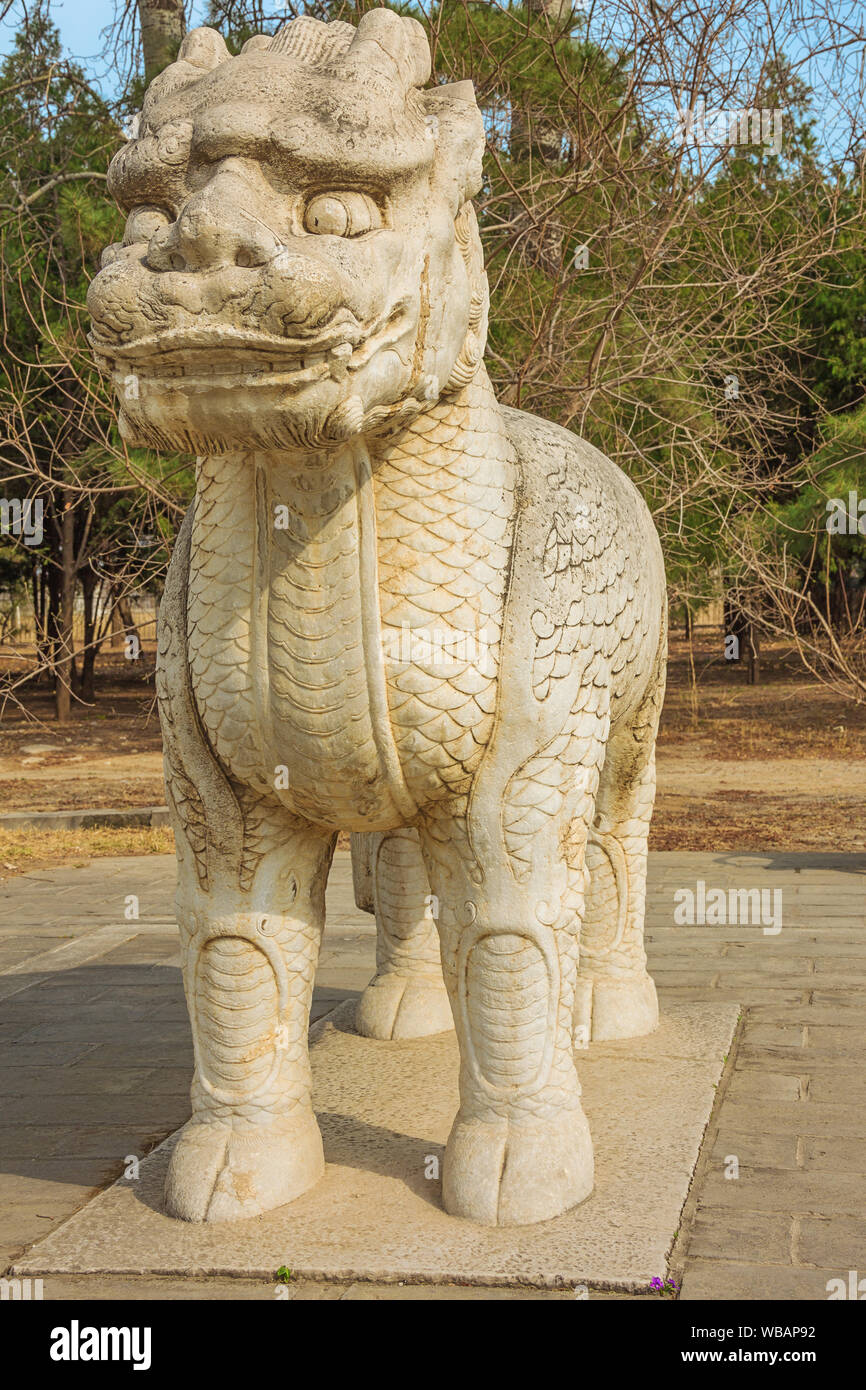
point(396, 607)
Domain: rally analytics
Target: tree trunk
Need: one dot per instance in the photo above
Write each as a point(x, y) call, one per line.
point(162, 30)
point(123, 625)
point(559, 12)
point(116, 643)
point(41, 617)
point(89, 585)
point(131, 634)
point(52, 618)
point(753, 654)
point(66, 608)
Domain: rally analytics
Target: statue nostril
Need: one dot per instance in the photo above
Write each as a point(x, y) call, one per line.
point(244, 259)
point(176, 261)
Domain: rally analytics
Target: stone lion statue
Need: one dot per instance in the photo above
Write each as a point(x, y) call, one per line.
point(396, 607)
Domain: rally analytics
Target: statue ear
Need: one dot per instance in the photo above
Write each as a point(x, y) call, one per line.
point(202, 50)
point(456, 125)
point(394, 45)
point(472, 351)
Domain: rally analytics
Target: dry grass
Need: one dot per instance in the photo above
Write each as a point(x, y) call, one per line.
point(789, 714)
point(23, 850)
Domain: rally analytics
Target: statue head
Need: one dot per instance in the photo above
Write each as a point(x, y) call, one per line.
point(301, 260)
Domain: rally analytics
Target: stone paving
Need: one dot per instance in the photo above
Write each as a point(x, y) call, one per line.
point(95, 1061)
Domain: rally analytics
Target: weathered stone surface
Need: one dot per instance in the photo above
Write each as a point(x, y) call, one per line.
point(759, 1150)
point(835, 1156)
point(763, 1085)
point(396, 608)
point(728, 1280)
point(805, 1118)
point(385, 1109)
point(761, 1237)
point(782, 1190)
point(835, 1241)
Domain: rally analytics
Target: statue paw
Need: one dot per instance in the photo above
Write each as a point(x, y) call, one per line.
point(614, 1006)
point(400, 1006)
point(511, 1173)
point(218, 1173)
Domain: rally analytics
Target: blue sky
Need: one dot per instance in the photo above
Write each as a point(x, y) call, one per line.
point(81, 23)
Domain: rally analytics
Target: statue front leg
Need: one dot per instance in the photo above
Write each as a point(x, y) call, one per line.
point(406, 997)
point(250, 943)
point(520, 1149)
point(251, 909)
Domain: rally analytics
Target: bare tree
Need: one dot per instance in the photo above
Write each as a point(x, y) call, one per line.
point(663, 199)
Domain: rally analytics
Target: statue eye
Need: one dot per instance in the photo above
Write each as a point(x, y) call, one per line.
point(342, 214)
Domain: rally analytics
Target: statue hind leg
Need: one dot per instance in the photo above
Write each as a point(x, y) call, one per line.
point(406, 997)
point(615, 996)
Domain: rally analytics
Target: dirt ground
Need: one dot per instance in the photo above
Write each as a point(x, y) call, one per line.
point(772, 766)
point(740, 767)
